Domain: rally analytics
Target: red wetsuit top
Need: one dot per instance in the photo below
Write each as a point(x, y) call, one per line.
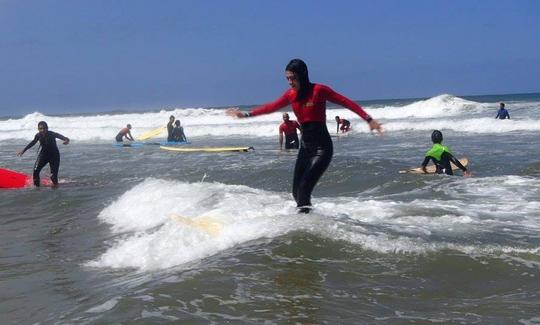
point(313, 108)
point(289, 127)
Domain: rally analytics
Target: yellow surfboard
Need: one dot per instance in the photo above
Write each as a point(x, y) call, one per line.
point(208, 149)
point(207, 224)
point(431, 169)
point(152, 133)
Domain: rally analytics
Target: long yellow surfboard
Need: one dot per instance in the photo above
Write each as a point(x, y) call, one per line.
point(208, 149)
point(207, 224)
point(152, 133)
point(431, 169)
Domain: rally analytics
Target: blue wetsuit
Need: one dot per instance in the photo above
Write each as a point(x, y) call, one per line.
point(503, 114)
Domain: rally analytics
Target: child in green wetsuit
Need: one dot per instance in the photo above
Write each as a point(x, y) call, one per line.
point(441, 157)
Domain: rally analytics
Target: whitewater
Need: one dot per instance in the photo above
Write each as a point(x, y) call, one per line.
point(145, 235)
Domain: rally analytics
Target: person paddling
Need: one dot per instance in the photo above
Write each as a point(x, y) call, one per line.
point(308, 101)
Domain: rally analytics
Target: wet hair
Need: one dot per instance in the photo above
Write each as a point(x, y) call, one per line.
point(171, 117)
point(43, 124)
point(177, 122)
point(300, 70)
point(337, 117)
point(436, 136)
point(502, 104)
point(128, 126)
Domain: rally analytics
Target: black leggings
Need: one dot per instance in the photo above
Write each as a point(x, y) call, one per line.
point(53, 159)
point(314, 156)
point(291, 141)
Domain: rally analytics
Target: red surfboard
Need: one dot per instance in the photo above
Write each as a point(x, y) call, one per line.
point(13, 179)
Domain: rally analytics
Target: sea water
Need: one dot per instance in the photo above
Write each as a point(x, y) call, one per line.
point(144, 235)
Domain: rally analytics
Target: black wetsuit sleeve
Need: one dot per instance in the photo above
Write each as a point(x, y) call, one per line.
point(426, 161)
point(59, 136)
point(457, 163)
point(31, 144)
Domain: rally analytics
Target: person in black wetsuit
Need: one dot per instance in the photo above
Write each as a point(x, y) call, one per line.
point(441, 157)
point(48, 154)
point(308, 101)
point(178, 133)
point(170, 128)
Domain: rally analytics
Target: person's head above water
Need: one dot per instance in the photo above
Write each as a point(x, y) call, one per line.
point(337, 118)
point(297, 76)
point(171, 118)
point(285, 117)
point(128, 126)
point(436, 136)
point(42, 127)
point(177, 123)
point(501, 105)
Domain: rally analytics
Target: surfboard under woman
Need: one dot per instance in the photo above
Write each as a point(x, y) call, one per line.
point(308, 101)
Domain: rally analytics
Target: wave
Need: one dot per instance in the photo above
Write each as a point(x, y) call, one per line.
point(440, 112)
point(175, 222)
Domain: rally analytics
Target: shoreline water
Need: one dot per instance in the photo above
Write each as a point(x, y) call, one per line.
point(380, 247)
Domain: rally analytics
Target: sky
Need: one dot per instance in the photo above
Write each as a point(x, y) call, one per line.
point(70, 57)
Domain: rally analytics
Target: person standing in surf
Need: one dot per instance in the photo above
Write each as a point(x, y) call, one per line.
point(502, 113)
point(441, 157)
point(170, 128)
point(48, 153)
point(308, 101)
point(288, 128)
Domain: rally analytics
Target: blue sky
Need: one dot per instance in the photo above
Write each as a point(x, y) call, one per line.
point(89, 56)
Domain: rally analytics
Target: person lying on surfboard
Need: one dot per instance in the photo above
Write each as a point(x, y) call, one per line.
point(48, 154)
point(125, 132)
point(441, 157)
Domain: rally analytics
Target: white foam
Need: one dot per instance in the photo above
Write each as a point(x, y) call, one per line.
point(440, 112)
point(147, 238)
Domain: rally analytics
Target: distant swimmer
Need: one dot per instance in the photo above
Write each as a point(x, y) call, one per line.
point(288, 128)
point(170, 128)
point(125, 132)
point(308, 101)
point(48, 153)
point(502, 113)
point(345, 125)
point(441, 157)
point(178, 133)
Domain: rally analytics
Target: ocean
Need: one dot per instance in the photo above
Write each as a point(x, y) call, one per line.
point(141, 235)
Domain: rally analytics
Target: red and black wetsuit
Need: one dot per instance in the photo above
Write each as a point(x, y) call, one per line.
point(48, 154)
point(316, 147)
point(345, 125)
point(291, 137)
